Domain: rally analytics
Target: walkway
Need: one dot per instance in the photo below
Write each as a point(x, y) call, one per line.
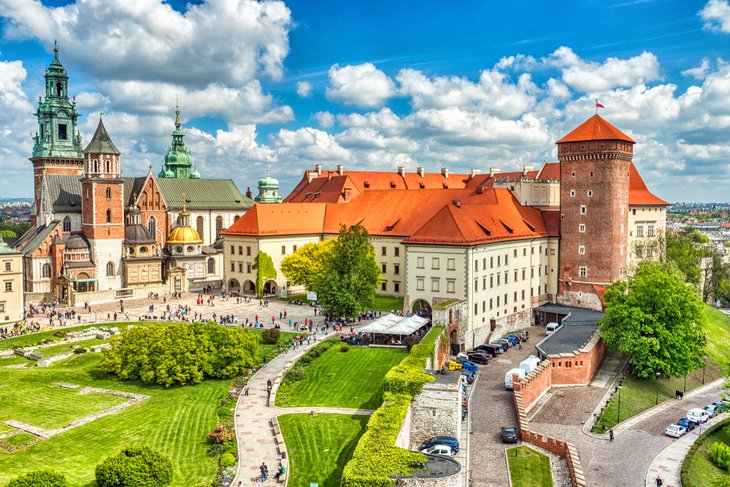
point(668, 464)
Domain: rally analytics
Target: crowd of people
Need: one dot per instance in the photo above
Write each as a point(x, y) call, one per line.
point(21, 328)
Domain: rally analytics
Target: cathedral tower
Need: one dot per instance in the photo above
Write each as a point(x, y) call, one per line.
point(595, 161)
point(57, 143)
point(102, 207)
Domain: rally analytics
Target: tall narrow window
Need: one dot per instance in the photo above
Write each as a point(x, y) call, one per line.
point(67, 224)
point(108, 193)
point(62, 134)
point(218, 226)
point(110, 269)
point(200, 227)
point(152, 226)
point(109, 216)
point(211, 265)
point(107, 166)
point(46, 270)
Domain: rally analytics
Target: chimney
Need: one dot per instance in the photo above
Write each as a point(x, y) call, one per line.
point(445, 172)
point(249, 193)
point(474, 172)
point(402, 171)
point(318, 169)
point(493, 171)
point(420, 171)
point(526, 169)
point(340, 169)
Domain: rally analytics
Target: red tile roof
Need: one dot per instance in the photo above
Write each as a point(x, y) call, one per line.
point(552, 222)
point(639, 194)
point(549, 171)
point(280, 219)
point(595, 128)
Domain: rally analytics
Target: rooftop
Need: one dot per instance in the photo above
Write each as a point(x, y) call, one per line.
point(579, 326)
point(595, 128)
point(438, 466)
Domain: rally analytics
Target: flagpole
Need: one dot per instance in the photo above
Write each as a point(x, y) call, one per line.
point(596, 106)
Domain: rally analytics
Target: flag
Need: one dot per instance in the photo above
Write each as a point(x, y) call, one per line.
point(599, 105)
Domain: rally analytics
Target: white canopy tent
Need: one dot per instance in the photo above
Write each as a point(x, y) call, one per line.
point(395, 325)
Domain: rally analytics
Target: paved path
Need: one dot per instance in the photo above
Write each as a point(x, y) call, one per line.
point(668, 464)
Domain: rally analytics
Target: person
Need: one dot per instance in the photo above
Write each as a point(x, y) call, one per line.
point(610, 434)
point(659, 482)
point(264, 360)
point(269, 383)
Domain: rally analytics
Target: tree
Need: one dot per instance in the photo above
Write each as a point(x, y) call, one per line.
point(684, 248)
point(265, 270)
point(306, 266)
point(40, 478)
point(716, 278)
point(351, 275)
point(657, 320)
point(135, 467)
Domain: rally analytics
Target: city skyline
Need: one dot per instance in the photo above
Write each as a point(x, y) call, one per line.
point(287, 85)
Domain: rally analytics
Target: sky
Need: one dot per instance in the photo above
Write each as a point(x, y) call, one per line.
point(280, 86)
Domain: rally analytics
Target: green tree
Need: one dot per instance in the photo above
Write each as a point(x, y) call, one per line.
point(657, 320)
point(40, 478)
point(135, 467)
point(265, 270)
point(685, 249)
point(716, 278)
point(231, 350)
point(306, 266)
point(351, 275)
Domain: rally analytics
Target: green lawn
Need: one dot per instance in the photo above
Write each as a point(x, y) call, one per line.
point(387, 303)
point(14, 360)
point(68, 347)
point(529, 468)
point(271, 350)
point(698, 469)
point(18, 439)
point(319, 446)
point(352, 379)
point(639, 395)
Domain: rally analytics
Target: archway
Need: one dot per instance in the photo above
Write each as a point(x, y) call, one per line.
point(421, 307)
point(270, 287)
point(249, 288)
point(233, 286)
point(453, 339)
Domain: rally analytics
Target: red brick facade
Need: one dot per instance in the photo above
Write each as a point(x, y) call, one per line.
point(100, 196)
point(152, 205)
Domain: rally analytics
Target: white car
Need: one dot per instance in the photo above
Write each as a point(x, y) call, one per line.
point(698, 415)
point(444, 450)
point(675, 430)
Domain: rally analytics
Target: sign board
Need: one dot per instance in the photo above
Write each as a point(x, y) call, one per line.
point(311, 296)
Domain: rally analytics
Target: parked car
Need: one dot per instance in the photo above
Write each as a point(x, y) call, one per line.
point(444, 450)
point(441, 440)
point(721, 406)
point(492, 350)
point(462, 357)
point(470, 367)
point(508, 377)
point(530, 363)
point(509, 434)
point(523, 335)
point(468, 376)
point(551, 328)
point(712, 410)
point(512, 339)
point(675, 430)
point(506, 342)
point(501, 344)
point(687, 424)
point(479, 357)
point(698, 415)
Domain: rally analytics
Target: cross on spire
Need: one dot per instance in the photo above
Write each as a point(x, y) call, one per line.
point(55, 48)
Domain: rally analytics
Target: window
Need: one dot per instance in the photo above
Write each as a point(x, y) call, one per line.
point(435, 263)
point(218, 226)
point(582, 228)
point(211, 266)
point(420, 263)
point(384, 286)
point(506, 259)
point(524, 251)
point(233, 267)
point(45, 271)
point(499, 260)
point(523, 294)
point(107, 166)
point(396, 251)
point(67, 224)
point(383, 268)
point(233, 250)
point(240, 267)
point(491, 262)
point(516, 274)
point(476, 265)
point(248, 250)
point(476, 285)
point(498, 301)
point(450, 264)
point(200, 227)
point(650, 252)
point(396, 287)
point(109, 216)
point(240, 250)
point(9, 266)
point(583, 209)
point(639, 230)
point(9, 286)
point(523, 273)
point(505, 277)
point(62, 131)
point(515, 297)
point(491, 280)
point(497, 278)
point(514, 253)
point(152, 226)
point(633, 211)
point(583, 271)
point(650, 231)
point(572, 174)
point(283, 250)
point(490, 304)
point(294, 249)
point(476, 308)
point(581, 250)
point(248, 267)
point(396, 269)
point(108, 193)
point(590, 194)
point(110, 269)
point(96, 165)
point(572, 193)
point(383, 251)
point(639, 252)
point(419, 284)
point(434, 285)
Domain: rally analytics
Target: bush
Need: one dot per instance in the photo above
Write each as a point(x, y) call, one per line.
point(295, 374)
point(227, 460)
point(344, 348)
point(720, 454)
point(80, 350)
point(270, 335)
point(40, 478)
point(221, 435)
point(135, 467)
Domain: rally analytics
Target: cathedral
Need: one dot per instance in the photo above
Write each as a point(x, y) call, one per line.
point(98, 235)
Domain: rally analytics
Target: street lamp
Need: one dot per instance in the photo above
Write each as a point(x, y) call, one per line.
point(658, 374)
point(618, 415)
point(704, 366)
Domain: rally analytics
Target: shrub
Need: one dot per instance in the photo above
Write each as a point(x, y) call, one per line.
point(135, 467)
point(40, 478)
point(221, 435)
point(270, 335)
point(720, 454)
point(344, 348)
point(80, 350)
point(227, 460)
point(295, 374)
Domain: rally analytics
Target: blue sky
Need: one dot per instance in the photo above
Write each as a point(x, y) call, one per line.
point(379, 84)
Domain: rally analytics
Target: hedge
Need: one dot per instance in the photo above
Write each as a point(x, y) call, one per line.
point(693, 449)
point(376, 458)
point(40, 478)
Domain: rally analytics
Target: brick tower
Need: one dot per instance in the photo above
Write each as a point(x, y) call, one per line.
point(595, 160)
point(102, 208)
point(56, 144)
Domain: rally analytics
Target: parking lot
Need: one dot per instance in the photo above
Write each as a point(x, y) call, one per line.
point(491, 408)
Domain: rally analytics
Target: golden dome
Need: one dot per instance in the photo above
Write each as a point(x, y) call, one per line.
point(184, 235)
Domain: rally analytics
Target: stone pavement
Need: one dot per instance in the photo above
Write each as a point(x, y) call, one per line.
point(668, 464)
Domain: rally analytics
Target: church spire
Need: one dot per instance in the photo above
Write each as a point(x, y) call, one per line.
point(178, 161)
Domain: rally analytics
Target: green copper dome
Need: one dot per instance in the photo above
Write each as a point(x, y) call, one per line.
point(178, 160)
point(268, 190)
point(195, 174)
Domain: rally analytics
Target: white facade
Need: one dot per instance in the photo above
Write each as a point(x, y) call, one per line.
point(205, 222)
point(107, 257)
point(647, 225)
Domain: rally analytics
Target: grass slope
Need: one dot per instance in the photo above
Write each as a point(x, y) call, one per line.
point(319, 446)
point(718, 335)
point(387, 303)
point(529, 468)
point(352, 379)
point(700, 470)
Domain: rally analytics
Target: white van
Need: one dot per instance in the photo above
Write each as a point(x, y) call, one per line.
point(508, 377)
point(698, 415)
point(551, 327)
point(530, 363)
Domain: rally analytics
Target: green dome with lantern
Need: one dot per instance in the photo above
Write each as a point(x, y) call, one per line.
point(178, 159)
point(268, 190)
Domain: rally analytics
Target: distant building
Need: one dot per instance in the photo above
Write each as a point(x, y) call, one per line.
point(268, 190)
point(11, 282)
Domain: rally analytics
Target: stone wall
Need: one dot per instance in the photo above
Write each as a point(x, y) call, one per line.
point(580, 366)
point(404, 435)
point(446, 481)
point(436, 411)
point(535, 384)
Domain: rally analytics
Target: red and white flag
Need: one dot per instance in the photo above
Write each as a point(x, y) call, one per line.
point(599, 105)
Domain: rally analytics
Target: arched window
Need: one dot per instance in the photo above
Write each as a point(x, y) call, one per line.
point(108, 166)
point(46, 270)
point(218, 226)
point(96, 165)
point(109, 216)
point(235, 218)
point(108, 193)
point(152, 226)
point(110, 269)
point(67, 224)
point(211, 265)
point(200, 227)
point(59, 89)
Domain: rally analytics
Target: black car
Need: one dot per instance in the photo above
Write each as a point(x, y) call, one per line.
point(478, 358)
point(505, 344)
point(510, 434)
point(492, 350)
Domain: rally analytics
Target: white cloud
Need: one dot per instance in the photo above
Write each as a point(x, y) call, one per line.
point(308, 144)
point(325, 119)
point(716, 15)
point(699, 71)
point(304, 89)
point(589, 76)
point(362, 85)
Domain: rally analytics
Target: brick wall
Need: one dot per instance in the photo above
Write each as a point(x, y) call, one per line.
point(535, 384)
point(580, 366)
